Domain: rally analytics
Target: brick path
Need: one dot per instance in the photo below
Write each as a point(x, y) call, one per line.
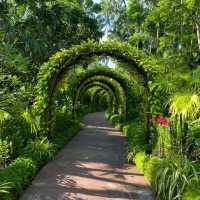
point(91, 167)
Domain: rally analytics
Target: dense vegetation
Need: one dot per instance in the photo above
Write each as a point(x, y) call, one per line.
point(147, 77)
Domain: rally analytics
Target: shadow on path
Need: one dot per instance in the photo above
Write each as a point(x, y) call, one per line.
point(91, 167)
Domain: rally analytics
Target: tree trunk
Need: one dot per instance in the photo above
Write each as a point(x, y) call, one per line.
point(198, 34)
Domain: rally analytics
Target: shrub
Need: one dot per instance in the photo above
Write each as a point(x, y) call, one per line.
point(64, 130)
point(140, 160)
point(115, 119)
point(61, 139)
point(63, 122)
point(173, 175)
point(19, 174)
point(135, 133)
point(108, 115)
point(17, 131)
point(40, 150)
point(151, 168)
point(119, 126)
point(192, 192)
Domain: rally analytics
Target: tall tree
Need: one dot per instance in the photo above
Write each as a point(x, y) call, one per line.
point(39, 28)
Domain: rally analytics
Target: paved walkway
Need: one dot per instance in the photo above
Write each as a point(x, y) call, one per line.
point(90, 167)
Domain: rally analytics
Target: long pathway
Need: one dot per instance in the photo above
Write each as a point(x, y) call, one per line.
point(91, 167)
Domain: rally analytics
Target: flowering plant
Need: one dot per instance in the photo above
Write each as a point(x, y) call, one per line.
point(162, 121)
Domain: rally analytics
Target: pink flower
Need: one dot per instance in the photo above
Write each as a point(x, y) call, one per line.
point(162, 121)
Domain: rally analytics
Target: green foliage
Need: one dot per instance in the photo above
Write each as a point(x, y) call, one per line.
point(55, 64)
point(151, 167)
point(12, 62)
point(115, 118)
point(32, 121)
point(17, 132)
point(140, 160)
point(4, 187)
point(193, 141)
point(4, 152)
point(148, 164)
point(174, 173)
point(136, 136)
point(119, 85)
point(173, 177)
point(186, 104)
point(114, 18)
point(21, 171)
point(64, 130)
point(40, 150)
point(47, 26)
point(163, 57)
point(162, 140)
point(19, 174)
point(192, 192)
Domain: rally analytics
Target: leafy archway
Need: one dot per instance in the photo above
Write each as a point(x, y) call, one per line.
point(114, 102)
point(106, 85)
point(54, 70)
point(104, 75)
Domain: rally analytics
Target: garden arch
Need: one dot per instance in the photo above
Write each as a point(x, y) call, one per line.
point(104, 84)
point(53, 71)
point(105, 88)
point(102, 93)
point(115, 86)
point(99, 90)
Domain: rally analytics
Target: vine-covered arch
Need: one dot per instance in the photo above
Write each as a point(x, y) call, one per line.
point(100, 92)
point(53, 71)
point(96, 93)
point(100, 87)
point(113, 84)
point(107, 89)
point(100, 82)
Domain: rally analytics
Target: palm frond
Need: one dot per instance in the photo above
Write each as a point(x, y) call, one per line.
point(186, 104)
point(4, 187)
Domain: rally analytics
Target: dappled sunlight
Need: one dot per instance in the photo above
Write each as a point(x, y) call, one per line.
point(101, 128)
point(99, 99)
point(92, 167)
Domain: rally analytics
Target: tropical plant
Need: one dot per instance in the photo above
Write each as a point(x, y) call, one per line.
point(174, 173)
point(4, 187)
point(40, 150)
point(16, 177)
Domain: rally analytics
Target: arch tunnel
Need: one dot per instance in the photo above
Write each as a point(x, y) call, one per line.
point(127, 94)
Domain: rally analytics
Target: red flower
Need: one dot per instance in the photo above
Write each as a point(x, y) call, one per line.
point(162, 121)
